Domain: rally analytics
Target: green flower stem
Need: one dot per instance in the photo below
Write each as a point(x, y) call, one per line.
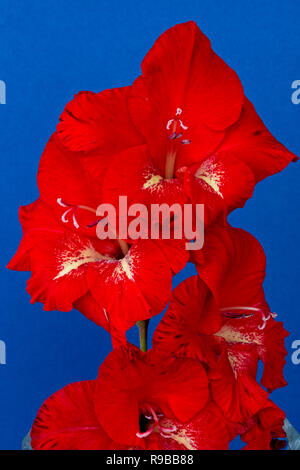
point(143, 330)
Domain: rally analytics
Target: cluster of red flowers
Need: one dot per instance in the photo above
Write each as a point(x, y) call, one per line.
point(183, 132)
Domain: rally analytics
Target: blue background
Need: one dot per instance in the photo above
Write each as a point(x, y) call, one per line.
point(51, 50)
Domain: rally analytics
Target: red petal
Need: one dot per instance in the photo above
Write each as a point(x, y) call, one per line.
point(178, 387)
point(233, 384)
point(116, 404)
point(233, 267)
point(207, 431)
point(33, 217)
point(221, 182)
point(98, 122)
point(57, 260)
point(272, 352)
point(175, 253)
point(133, 288)
point(61, 175)
point(68, 188)
point(191, 316)
point(37, 222)
point(67, 421)
point(249, 140)
point(182, 388)
point(88, 306)
point(58, 270)
point(133, 174)
point(267, 338)
point(262, 431)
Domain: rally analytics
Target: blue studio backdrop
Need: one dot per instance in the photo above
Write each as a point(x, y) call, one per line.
point(51, 50)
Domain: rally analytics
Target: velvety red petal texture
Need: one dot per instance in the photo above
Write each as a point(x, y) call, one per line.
point(132, 288)
point(69, 269)
point(61, 176)
point(266, 336)
point(88, 306)
point(130, 380)
point(58, 261)
point(95, 127)
point(207, 431)
point(191, 316)
point(265, 430)
point(182, 78)
point(67, 421)
point(231, 354)
point(184, 132)
point(175, 253)
point(223, 320)
point(232, 264)
point(231, 269)
point(233, 384)
point(58, 271)
point(98, 122)
point(250, 141)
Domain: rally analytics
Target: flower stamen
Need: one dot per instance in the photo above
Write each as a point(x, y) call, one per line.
point(71, 209)
point(173, 125)
point(229, 313)
point(151, 415)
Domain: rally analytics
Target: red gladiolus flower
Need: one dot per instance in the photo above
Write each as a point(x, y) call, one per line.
point(232, 339)
point(70, 269)
point(67, 421)
point(153, 405)
point(184, 132)
point(184, 129)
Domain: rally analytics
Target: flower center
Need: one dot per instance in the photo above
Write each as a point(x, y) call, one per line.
point(71, 212)
point(177, 130)
point(150, 421)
